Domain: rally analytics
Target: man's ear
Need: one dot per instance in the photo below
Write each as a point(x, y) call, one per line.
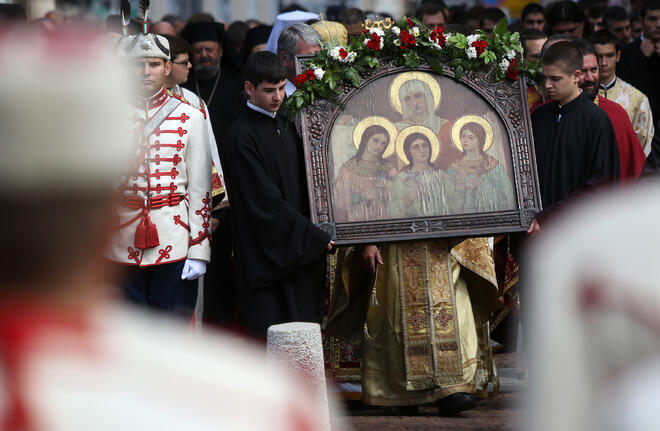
point(249, 88)
point(618, 55)
point(576, 76)
point(168, 67)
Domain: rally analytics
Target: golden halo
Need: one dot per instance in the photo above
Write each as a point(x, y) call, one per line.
point(375, 120)
point(433, 138)
point(426, 78)
point(458, 124)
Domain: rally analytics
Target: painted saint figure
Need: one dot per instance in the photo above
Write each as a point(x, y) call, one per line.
point(481, 182)
point(419, 189)
point(362, 185)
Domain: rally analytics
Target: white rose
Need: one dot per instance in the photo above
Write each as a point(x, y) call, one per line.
point(510, 54)
point(396, 30)
point(378, 31)
point(318, 72)
point(472, 38)
point(350, 58)
point(334, 53)
point(471, 52)
point(415, 31)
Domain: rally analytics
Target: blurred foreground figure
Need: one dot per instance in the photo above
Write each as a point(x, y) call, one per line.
point(70, 358)
point(595, 340)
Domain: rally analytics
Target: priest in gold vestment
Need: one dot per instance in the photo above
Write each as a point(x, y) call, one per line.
point(417, 316)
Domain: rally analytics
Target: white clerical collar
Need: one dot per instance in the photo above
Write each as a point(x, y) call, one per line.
point(609, 84)
point(289, 88)
point(262, 110)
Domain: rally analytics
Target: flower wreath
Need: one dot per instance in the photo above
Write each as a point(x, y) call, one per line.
point(411, 44)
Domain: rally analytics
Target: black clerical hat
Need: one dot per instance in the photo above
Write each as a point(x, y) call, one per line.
point(256, 36)
point(203, 31)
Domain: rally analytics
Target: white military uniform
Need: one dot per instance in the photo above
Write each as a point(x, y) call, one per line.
point(194, 100)
point(172, 187)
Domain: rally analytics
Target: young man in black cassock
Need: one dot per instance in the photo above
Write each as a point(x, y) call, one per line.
point(279, 252)
point(575, 144)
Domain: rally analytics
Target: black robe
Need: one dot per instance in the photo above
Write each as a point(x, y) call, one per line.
point(279, 252)
point(641, 72)
point(228, 100)
point(576, 149)
point(219, 296)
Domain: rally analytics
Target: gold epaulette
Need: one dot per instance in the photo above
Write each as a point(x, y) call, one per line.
point(178, 96)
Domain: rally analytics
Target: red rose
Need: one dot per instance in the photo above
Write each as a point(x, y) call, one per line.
point(343, 53)
point(480, 46)
point(407, 38)
point(410, 22)
point(512, 70)
point(438, 37)
point(300, 79)
point(310, 75)
point(374, 42)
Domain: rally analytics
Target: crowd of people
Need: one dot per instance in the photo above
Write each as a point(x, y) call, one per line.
point(217, 201)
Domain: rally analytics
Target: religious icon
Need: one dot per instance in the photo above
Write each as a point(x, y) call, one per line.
point(419, 188)
point(481, 183)
point(362, 185)
point(413, 154)
point(417, 96)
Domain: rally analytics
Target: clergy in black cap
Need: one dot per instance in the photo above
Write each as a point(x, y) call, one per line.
point(255, 40)
point(216, 76)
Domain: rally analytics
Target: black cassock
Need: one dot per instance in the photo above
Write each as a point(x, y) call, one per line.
point(279, 253)
point(227, 102)
point(576, 149)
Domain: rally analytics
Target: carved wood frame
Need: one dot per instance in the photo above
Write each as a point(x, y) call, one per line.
point(508, 99)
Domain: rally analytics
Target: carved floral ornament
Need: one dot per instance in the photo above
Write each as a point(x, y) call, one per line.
point(411, 44)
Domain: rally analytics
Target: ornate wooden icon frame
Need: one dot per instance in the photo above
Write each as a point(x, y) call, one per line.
point(507, 98)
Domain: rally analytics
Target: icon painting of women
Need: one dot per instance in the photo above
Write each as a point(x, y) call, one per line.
point(481, 182)
point(417, 97)
point(361, 188)
point(419, 189)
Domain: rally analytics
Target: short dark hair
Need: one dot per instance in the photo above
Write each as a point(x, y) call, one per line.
point(554, 38)
point(529, 9)
point(475, 12)
point(530, 34)
point(614, 13)
point(430, 8)
point(177, 46)
point(264, 66)
point(596, 11)
point(493, 14)
point(649, 5)
point(564, 11)
point(585, 47)
point(603, 37)
point(351, 15)
point(564, 54)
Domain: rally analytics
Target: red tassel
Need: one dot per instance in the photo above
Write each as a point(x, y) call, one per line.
point(146, 235)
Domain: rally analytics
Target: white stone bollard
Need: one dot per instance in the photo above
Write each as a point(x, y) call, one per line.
point(297, 346)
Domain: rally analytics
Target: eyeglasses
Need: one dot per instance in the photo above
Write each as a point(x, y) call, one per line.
point(183, 63)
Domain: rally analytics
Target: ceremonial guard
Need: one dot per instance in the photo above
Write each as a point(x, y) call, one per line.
point(163, 235)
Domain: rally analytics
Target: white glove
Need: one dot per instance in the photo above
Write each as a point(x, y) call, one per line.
point(193, 269)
